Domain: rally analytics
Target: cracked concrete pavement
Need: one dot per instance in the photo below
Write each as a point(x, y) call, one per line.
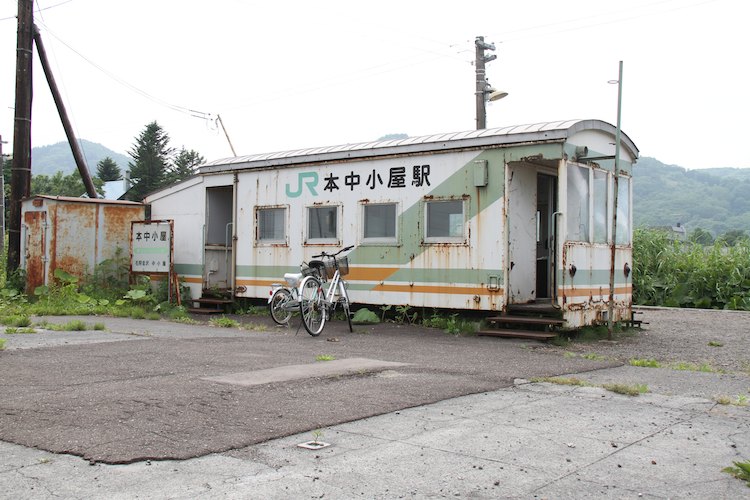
point(459, 419)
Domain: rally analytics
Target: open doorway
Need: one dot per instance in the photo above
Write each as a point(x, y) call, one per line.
point(532, 201)
point(218, 246)
point(546, 186)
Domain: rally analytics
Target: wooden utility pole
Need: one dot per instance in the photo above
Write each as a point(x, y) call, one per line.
point(2, 196)
point(75, 148)
point(20, 183)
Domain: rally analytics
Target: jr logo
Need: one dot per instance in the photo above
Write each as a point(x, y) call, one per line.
point(308, 178)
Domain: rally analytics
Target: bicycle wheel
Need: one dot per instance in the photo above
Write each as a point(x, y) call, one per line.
point(312, 305)
point(345, 305)
point(277, 307)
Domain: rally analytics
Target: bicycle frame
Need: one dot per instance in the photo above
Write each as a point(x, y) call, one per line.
point(318, 297)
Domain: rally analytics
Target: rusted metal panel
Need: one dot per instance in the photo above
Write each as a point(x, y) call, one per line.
point(74, 234)
point(35, 248)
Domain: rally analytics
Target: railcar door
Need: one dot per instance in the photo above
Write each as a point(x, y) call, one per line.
point(521, 194)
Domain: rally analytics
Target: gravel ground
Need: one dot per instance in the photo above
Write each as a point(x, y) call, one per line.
point(720, 339)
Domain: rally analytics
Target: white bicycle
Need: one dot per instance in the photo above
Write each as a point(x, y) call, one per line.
point(283, 301)
point(319, 296)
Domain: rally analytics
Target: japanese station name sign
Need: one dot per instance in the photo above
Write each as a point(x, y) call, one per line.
point(151, 246)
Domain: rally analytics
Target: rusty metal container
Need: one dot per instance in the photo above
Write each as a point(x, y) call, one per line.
point(72, 234)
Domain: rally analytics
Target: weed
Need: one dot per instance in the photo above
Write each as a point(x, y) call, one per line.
point(99, 326)
point(645, 363)
point(594, 357)
point(12, 329)
point(740, 400)
point(151, 315)
point(561, 340)
point(186, 320)
point(403, 315)
point(628, 390)
point(741, 471)
point(137, 313)
point(317, 434)
point(568, 354)
point(324, 357)
point(714, 343)
point(20, 321)
point(384, 309)
point(2, 344)
point(76, 326)
point(560, 380)
point(224, 322)
point(253, 327)
point(692, 367)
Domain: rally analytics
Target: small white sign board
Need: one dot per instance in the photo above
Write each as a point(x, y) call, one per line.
point(151, 247)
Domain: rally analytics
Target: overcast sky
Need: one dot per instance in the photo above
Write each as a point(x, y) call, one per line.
point(294, 74)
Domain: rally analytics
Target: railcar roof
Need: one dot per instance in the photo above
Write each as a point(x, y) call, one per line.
point(531, 133)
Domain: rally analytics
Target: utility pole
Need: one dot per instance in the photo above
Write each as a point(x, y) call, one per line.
point(2, 196)
point(483, 87)
point(20, 184)
point(74, 147)
point(616, 178)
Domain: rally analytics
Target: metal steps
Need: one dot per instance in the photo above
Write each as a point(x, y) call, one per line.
point(537, 327)
point(209, 305)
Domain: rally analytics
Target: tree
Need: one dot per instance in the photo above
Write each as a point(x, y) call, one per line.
point(701, 237)
point(151, 158)
point(107, 170)
point(732, 237)
point(62, 185)
point(184, 165)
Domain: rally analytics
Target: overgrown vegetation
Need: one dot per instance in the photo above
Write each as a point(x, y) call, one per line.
point(688, 274)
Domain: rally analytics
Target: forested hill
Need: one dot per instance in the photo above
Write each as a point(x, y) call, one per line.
point(715, 199)
point(47, 160)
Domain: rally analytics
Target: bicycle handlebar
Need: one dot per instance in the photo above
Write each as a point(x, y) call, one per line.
point(324, 254)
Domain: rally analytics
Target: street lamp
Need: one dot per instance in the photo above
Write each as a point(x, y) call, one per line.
point(484, 91)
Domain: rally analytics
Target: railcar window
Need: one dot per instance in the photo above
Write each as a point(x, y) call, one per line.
point(444, 220)
point(578, 203)
point(271, 225)
point(601, 195)
point(379, 222)
point(322, 223)
point(623, 210)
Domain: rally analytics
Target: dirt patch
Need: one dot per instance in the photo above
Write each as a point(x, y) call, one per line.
point(720, 339)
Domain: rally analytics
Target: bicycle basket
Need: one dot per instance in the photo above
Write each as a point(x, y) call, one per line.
point(343, 263)
point(306, 270)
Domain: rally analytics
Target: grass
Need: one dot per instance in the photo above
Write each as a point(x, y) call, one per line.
point(324, 357)
point(560, 381)
point(19, 321)
point(628, 390)
point(741, 471)
point(714, 343)
point(2, 344)
point(645, 363)
point(593, 356)
point(740, 400)
point(13, 330)
point(224, 322)
point(677, 365)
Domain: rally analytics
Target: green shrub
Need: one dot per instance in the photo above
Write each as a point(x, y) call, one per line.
point(682, 274)
point(365, 317)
